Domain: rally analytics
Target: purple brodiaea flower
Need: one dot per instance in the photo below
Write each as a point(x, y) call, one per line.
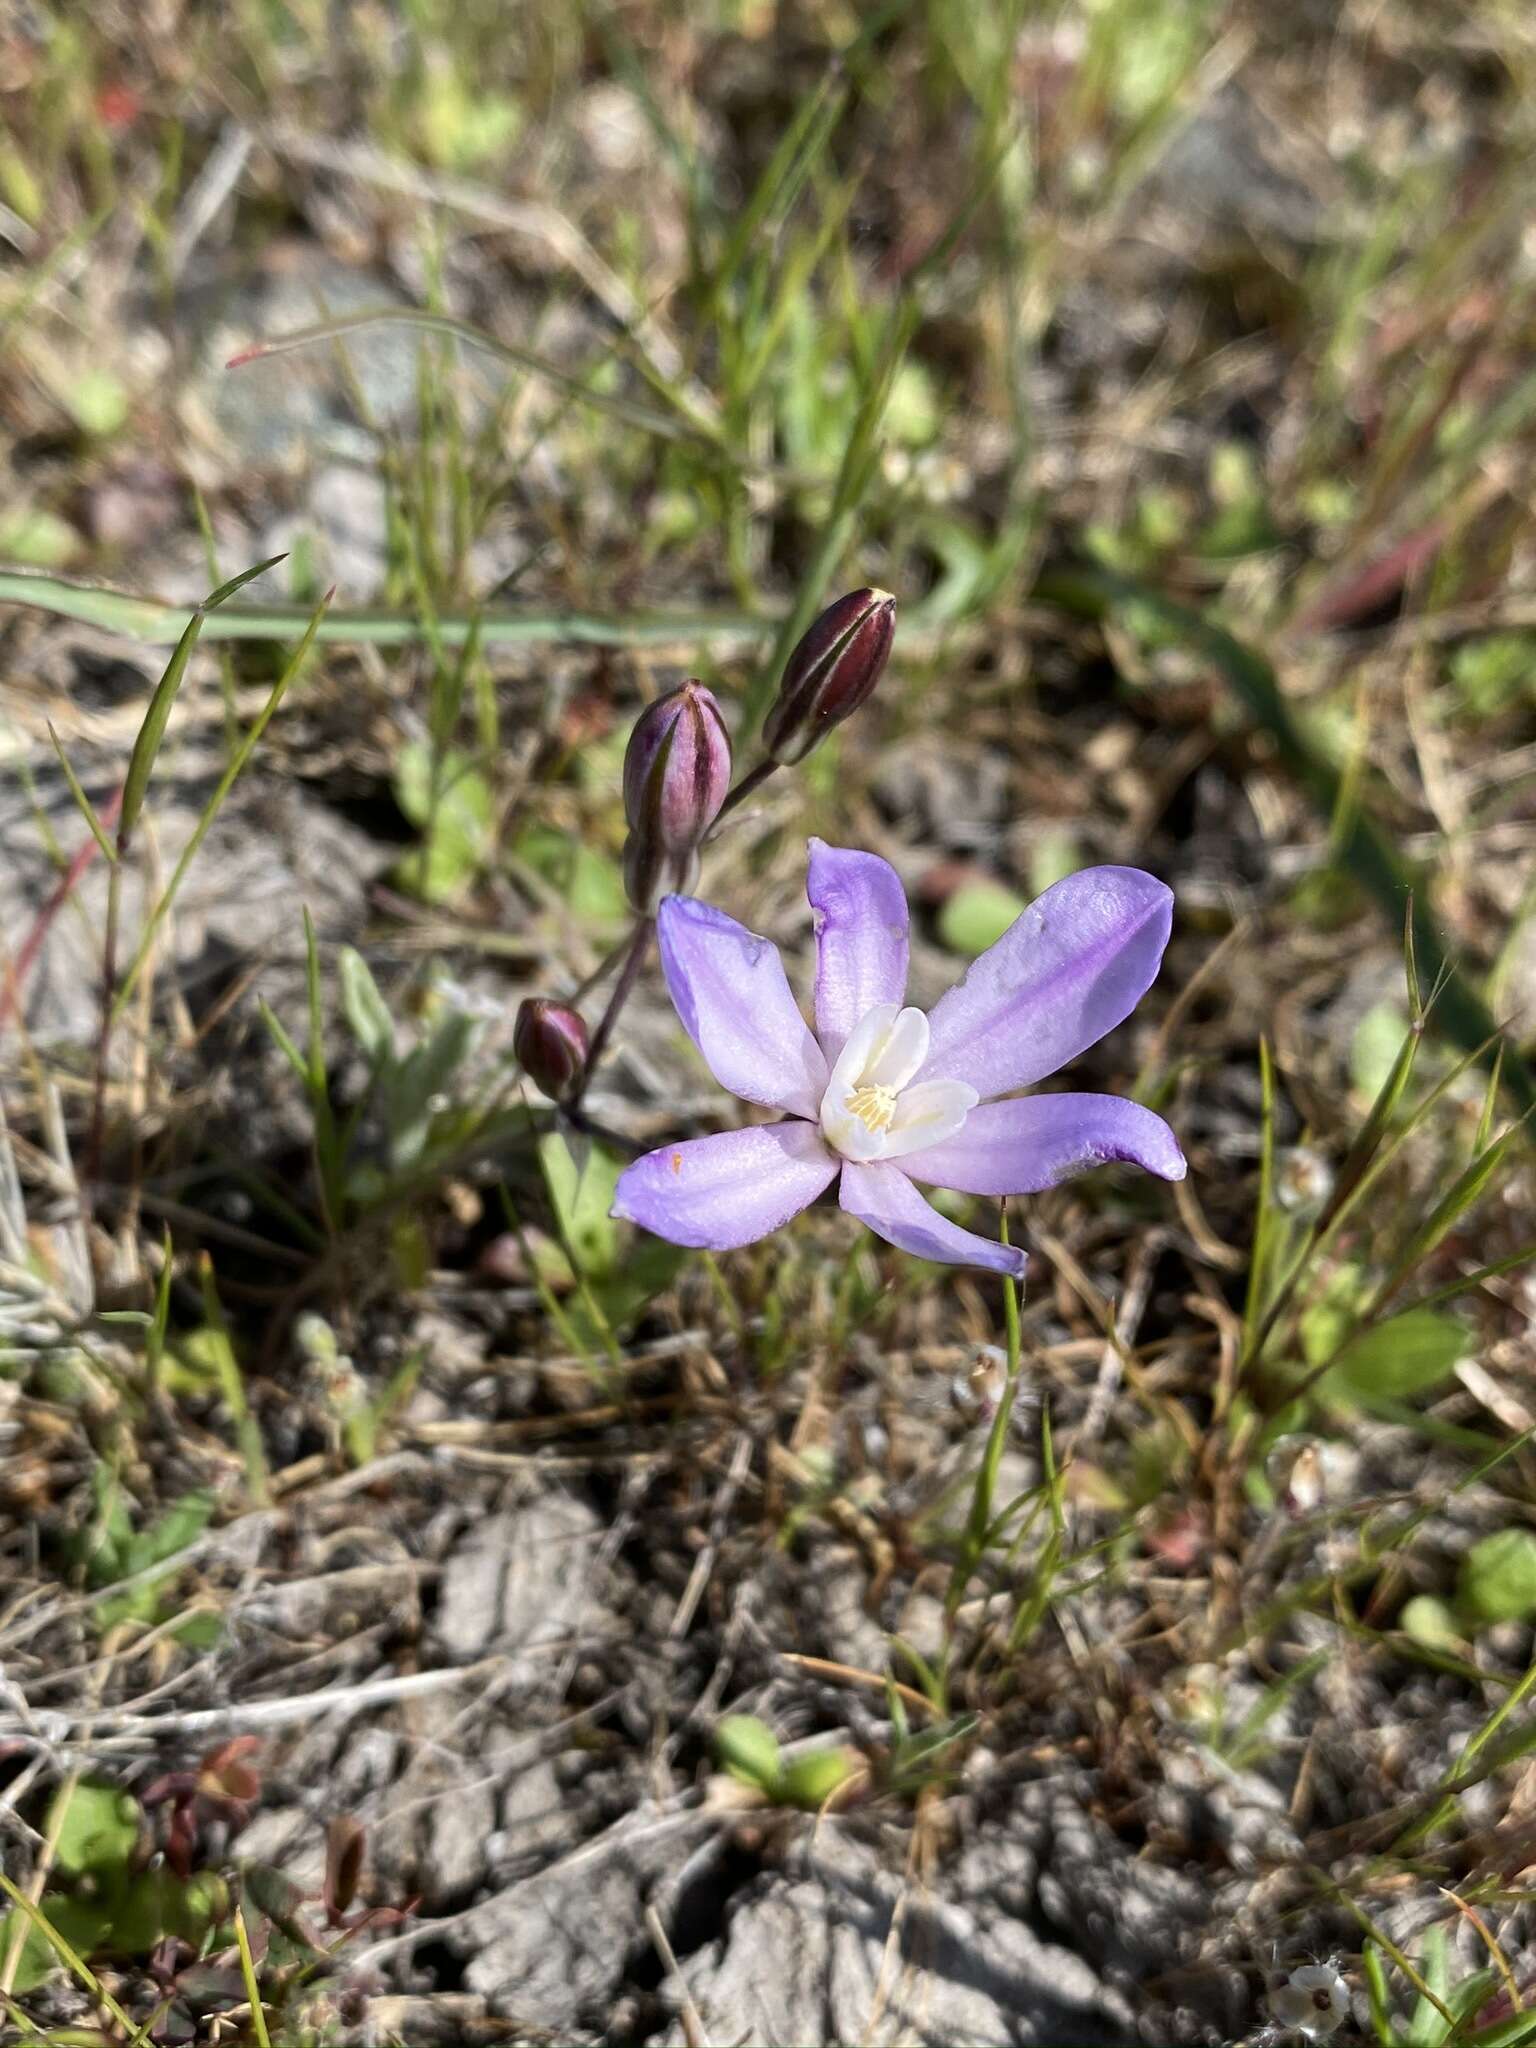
point(883, 1094)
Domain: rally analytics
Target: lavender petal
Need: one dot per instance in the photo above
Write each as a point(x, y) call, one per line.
point(1068, 970)
point(734, 1001)
point(860, 911)
point(727, 1190)
point(886, 1200)
point(1018, 1148)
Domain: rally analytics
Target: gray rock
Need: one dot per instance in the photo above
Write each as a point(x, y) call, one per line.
point(272, 1836)
point(1224, 167)
point(522, 1581)
point(848, 1634)
point(343, 521)
point(553, 1949)
point(535, 1812)
point(432, 1828)
point(272, 849)
point(809, 1956)
point(1130, 1915)
point(284, 410)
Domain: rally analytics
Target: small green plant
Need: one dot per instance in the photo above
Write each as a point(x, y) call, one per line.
point(748, 1751)
point(157, 1880)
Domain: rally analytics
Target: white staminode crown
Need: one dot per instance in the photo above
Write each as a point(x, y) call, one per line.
point(869, 1110)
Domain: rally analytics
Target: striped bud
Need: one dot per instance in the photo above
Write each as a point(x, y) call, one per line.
point(834, 667)
point(677, 770)
point(550, 1042)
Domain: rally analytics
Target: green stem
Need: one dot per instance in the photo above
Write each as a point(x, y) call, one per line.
point(979, 1523)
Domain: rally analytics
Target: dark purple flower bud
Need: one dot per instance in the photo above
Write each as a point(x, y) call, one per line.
point(677, 770)
point(550, 1042)
point(835, 666)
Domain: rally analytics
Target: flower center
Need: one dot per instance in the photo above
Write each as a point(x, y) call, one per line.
point(873, 1107)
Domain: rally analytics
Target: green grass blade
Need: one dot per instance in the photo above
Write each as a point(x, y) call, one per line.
point(75, 1964)
point(853, 483)
point(328, 1151)
point(979, 1522)
point(786, 171)
point(1267, 1217)
point(141, 762)
point(153, 623)
point(83, 803)
point(1466, 1190)
point(211, 809)
point(1363, 846)
point(687, 428)
point(252, 1988)
point(232, 1387)
point(160, 1322)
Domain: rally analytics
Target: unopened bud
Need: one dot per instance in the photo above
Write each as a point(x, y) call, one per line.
point(835, 666)
point(550, 1042)
point(677, 770)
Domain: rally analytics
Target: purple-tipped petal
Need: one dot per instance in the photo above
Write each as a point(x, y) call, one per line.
point(1068, 970)
point(1018, 1148)
point(860, 912)
point(730, 991)
point(886, 1200)
point(727, 1190)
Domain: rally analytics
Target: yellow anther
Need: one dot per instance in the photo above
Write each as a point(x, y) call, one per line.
point(874, 1107)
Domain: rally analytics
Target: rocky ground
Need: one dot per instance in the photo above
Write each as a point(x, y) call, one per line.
point(481, 1583)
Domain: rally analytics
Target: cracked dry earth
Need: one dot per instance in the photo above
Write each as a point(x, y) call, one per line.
point(545, 1789)
point(508, 1664)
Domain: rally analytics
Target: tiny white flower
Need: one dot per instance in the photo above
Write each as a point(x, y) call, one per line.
point(1313, 2000)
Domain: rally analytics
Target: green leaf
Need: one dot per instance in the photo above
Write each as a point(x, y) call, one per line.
point(178, 1527)
point(749, 1750)
point(366, 1011)
point(976, 917)
point(418, 1084)
point(1406, 1355)
point(85, 1924)
point(98, 1828)
point(449, 801)
point(36, 538)
point(1327, 1321)
point(1494, 670)
point(182, 1523)
point(156, 1902)
point(595, 890)
point(810, 1781)
point(590, 882)
point(1514, 2031)
point(1431, 1622)
point(1374, 1049)
point(581, 1194)
point(1497, 1581)
point(97, 401)
point(651, 1267)
point(1054, 855)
